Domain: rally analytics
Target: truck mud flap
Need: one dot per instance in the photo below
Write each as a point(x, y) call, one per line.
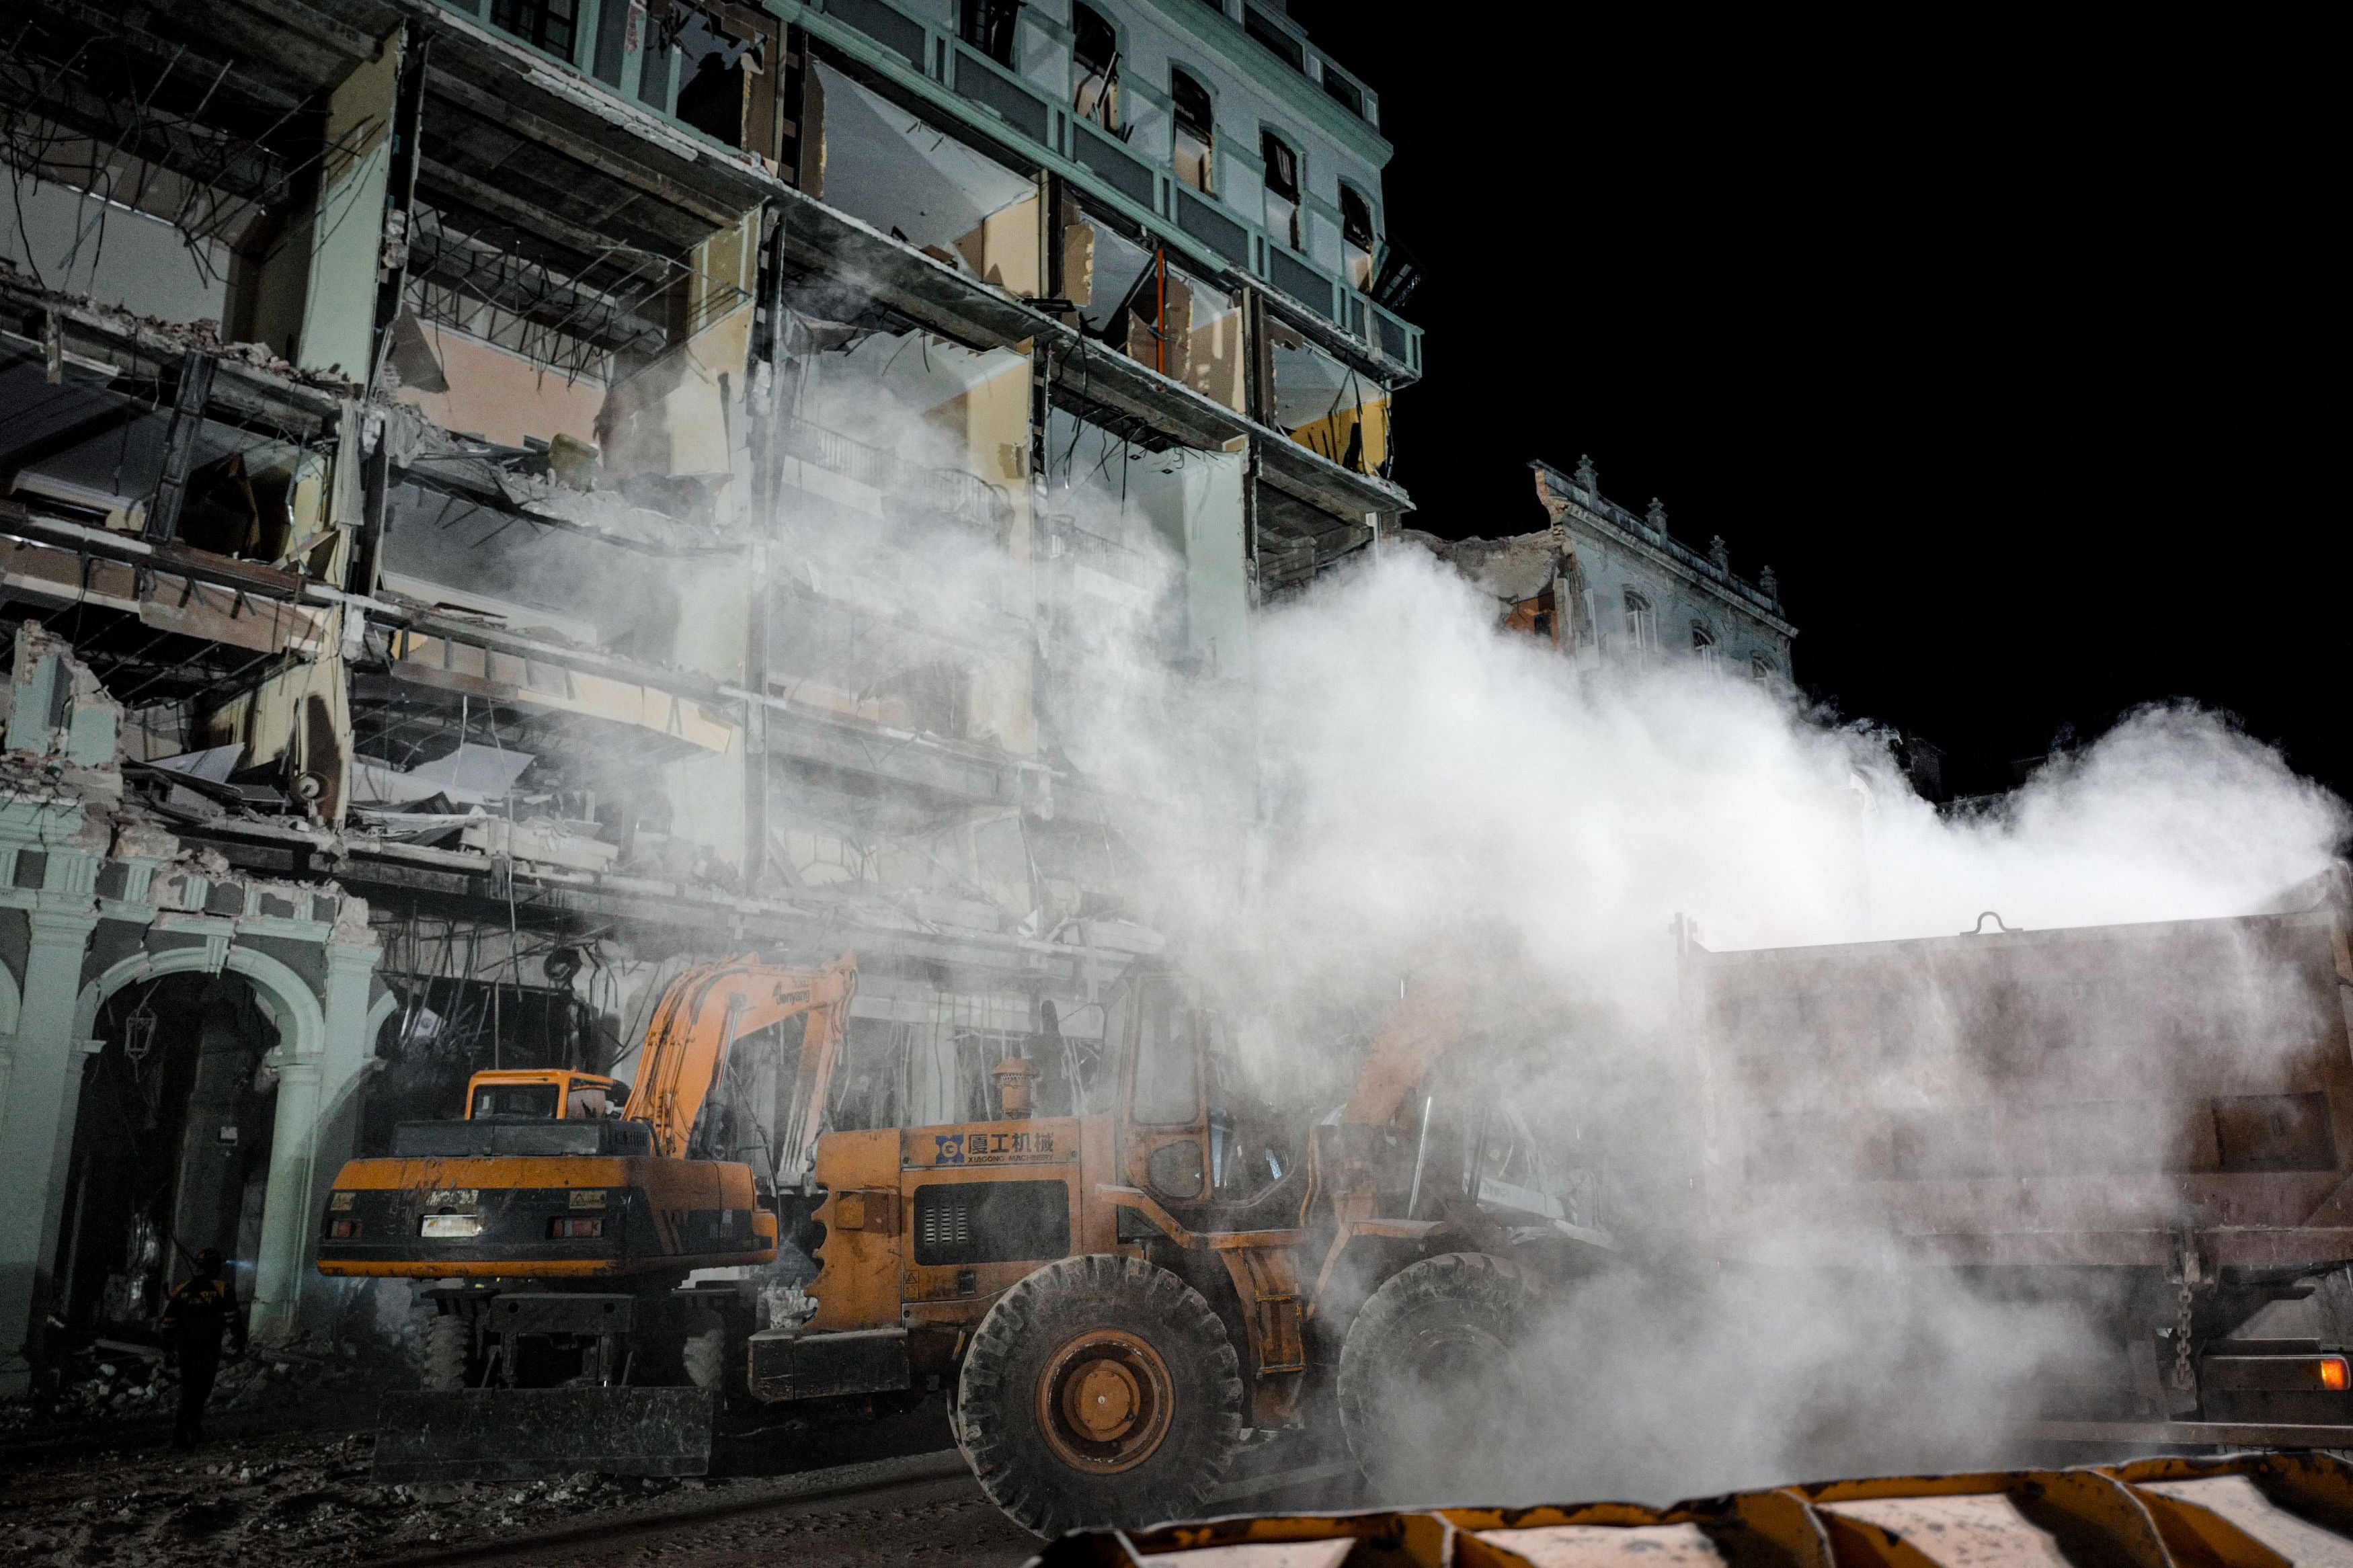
point(536, 1434)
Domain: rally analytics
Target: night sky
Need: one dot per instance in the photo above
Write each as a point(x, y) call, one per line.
point(2001, 348)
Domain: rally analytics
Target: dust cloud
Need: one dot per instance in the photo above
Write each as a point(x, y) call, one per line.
point(1435, 790)
point(1385, 784)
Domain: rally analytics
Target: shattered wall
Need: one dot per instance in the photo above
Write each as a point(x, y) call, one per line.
point(730, 495)
point(99, 895)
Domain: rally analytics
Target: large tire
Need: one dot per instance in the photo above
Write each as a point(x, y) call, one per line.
point(449, 1346)
point(1428, 1367)
point(1099, 1390)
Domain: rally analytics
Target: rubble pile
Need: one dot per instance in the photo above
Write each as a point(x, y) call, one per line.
point(161, 336)
point(114, 1383)
point(286, 1499)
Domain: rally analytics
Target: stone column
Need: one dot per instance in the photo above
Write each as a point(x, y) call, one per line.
point(310, 1140)
point(37, 1129)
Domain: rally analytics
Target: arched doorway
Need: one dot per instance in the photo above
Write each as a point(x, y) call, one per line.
point(171, 1143)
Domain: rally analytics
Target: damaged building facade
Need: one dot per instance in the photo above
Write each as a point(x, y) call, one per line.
point(1602, 582)
point(502, 499)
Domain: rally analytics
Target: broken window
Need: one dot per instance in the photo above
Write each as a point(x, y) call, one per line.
point(546, 22)
point(1641, 622)
point(1281, 188)
point(988, 25)
point(1196, 130)
point(1324, 405)
point(723, 74)
point(1096, 54)
point(1536, 617)
point(1356, 234)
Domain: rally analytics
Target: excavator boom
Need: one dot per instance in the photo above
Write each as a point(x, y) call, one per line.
point(704, 1011)
point(1430, 1022)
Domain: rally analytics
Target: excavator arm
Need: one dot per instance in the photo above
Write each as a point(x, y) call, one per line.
point(1429, 1023)
point(705, 1011)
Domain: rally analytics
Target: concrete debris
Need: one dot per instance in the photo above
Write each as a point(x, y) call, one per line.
point(156, 334)
point(1515, 567)
point(291, 1498)
point(133, 1384)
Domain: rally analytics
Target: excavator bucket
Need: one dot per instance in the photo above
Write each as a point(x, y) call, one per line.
point(537, 1434)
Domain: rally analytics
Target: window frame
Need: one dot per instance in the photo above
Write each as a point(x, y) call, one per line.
point(1352, 100)
point(1258, 24)
point(1159, 1061)
point(1105, 111)
point(1372, 216)
point(1292, 233)
point(1359, 261)
point(1642, 619)
point(540, 10)
point(1179, 131)
point(975, 16)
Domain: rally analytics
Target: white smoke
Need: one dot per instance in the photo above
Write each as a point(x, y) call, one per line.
point(1414, 787)
point(1436, 790)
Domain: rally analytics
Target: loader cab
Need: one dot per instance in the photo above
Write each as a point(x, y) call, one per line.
point(544, 1094)
point(1193, 1129)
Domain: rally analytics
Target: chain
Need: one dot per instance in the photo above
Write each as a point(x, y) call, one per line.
point(2185, 1375)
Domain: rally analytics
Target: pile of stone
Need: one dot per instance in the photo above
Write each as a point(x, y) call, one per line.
point(110, 1382)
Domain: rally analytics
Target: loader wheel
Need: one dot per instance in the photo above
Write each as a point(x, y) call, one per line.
point(705, 1350)
point(1427, 1367)
point(1099, 1390)
point(448, 1345)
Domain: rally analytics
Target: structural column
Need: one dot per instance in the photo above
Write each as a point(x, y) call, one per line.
point(311, 1139)
point(37, 1123)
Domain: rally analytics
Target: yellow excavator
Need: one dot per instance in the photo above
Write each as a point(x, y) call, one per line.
point(560, 1220)
point(1124, 1297)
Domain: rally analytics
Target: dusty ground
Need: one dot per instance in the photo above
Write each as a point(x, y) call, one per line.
point(289, 1483)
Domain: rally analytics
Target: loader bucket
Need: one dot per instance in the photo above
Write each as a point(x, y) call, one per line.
point(536, 1434)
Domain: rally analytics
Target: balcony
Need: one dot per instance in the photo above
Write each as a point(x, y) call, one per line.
point(934, 66)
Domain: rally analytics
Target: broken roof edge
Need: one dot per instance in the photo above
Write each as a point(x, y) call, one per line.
point(1692, 565)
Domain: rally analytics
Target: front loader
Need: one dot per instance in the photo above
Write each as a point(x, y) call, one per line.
point(559, 1229)
point(1122, 1298)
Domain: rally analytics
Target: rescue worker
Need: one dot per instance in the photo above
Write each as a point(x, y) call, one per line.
point(195, 1317)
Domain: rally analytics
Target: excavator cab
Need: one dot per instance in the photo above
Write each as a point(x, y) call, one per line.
point(1195, 1128)
point(544, 1094)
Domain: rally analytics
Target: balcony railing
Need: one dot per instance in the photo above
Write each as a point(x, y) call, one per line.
point(954, 77)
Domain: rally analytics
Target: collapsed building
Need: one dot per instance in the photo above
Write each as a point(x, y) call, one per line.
point(500, 502)
point(1601, 581)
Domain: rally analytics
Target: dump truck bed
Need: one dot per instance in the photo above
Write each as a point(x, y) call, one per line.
point(2068, 1097)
